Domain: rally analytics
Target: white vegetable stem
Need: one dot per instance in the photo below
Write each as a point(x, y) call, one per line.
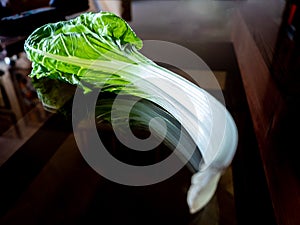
point(188, 103)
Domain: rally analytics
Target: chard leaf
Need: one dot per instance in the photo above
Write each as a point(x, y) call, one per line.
point(100, 50)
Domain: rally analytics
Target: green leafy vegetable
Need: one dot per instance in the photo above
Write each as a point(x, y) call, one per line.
point(100, 50)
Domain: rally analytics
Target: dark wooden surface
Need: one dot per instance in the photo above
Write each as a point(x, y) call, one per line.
point(47, 182)
point(276, 142)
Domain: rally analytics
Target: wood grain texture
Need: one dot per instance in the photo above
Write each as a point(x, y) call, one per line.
point(266, 105)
